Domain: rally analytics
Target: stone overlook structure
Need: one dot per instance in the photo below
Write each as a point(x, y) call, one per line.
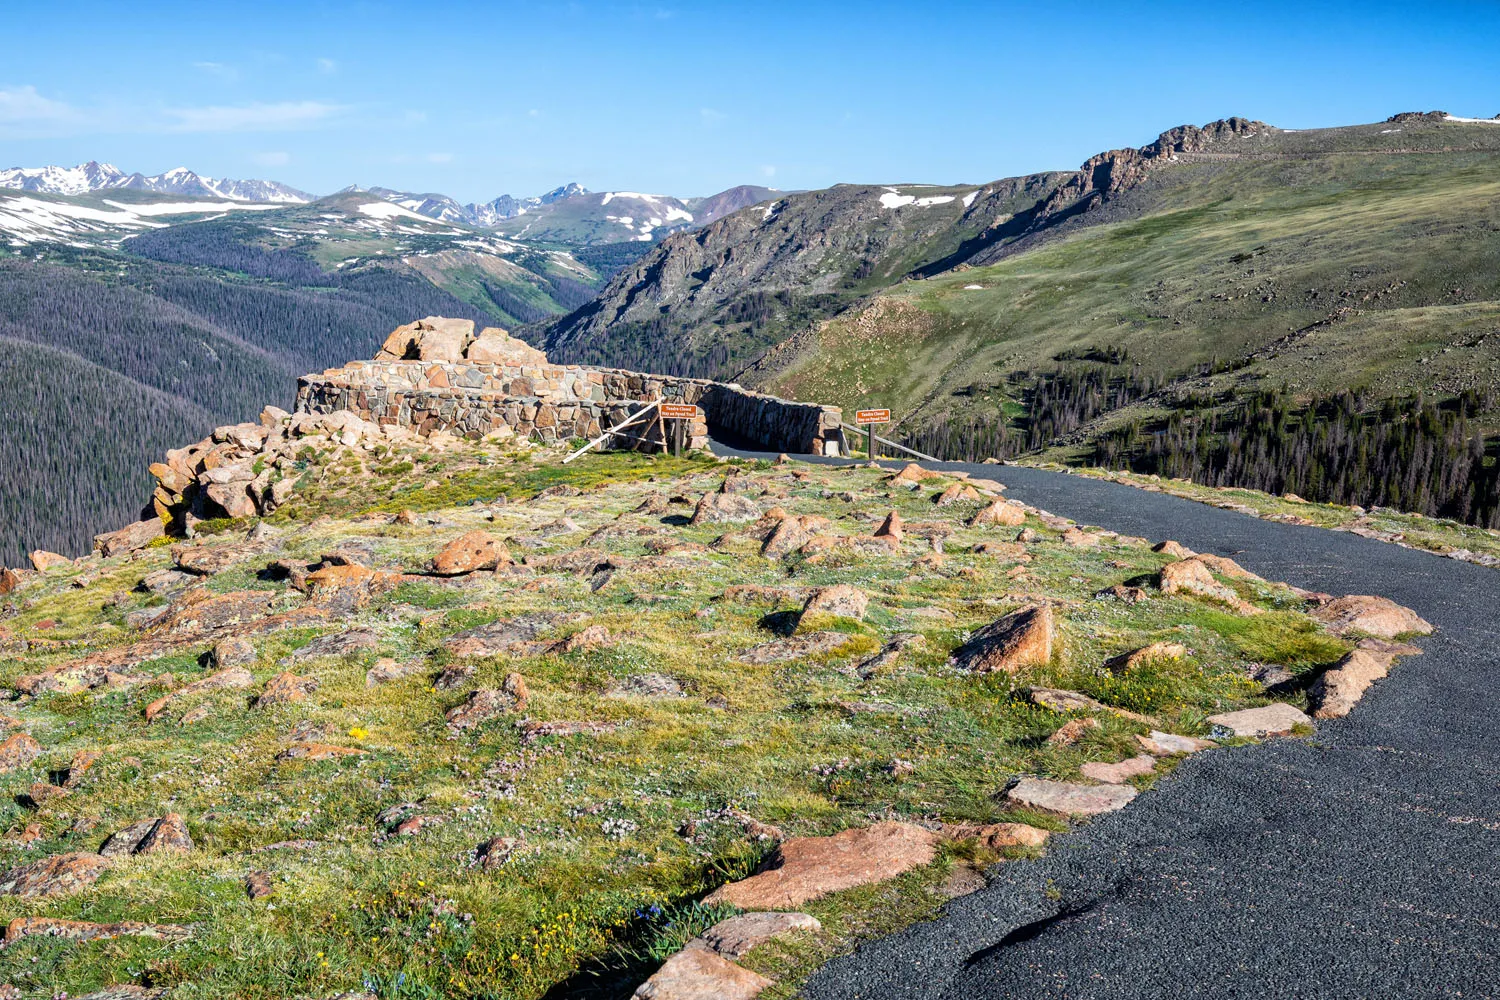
point(438, 375)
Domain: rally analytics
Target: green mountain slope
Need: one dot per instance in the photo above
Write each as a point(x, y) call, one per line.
point(1129, 312)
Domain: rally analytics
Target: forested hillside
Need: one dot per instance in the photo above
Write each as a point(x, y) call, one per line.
point(120, 364)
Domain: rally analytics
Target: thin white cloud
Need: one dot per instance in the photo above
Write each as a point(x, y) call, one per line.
point(24, 106)
point(278, 117)
point(327, 67)
point(711, 116)
point(415, 117)
point(27, 114)
point(769, 170)
point(273, 159)
point(221, 70)
point(439, 157)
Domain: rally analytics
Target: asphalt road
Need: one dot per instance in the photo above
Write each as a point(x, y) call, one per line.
point(1361, 863)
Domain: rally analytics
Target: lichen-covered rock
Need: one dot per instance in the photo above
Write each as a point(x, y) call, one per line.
point(1021, 639)
point(284, 689)
point(18, 751)
point(55, 876)
point(842, 599)
point(470, 553)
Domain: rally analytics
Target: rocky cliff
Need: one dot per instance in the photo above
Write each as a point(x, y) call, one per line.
point(710, 302)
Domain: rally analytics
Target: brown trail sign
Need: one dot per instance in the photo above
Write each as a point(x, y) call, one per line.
point(868, 419)
point(678, 412)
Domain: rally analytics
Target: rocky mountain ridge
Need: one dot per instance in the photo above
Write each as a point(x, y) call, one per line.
point(94, 176)
point(765, 274)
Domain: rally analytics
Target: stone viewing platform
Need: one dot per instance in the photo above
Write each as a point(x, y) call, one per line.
point(437, 375)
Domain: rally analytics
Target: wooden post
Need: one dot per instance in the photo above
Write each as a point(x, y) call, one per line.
point(870, 441)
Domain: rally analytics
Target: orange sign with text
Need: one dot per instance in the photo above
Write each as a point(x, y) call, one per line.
point(872, 416)
point(679, 411)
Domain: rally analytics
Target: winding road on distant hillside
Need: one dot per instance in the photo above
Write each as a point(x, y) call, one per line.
point(1361, 863)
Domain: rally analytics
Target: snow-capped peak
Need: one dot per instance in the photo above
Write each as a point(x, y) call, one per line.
point(94, 176)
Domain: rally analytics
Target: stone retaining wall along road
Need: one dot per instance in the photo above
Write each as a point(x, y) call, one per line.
point(556, 402)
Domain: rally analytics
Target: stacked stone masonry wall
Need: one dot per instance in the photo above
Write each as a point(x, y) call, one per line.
point(557, 402)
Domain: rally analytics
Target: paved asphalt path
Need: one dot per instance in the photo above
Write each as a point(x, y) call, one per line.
point(1362, 863)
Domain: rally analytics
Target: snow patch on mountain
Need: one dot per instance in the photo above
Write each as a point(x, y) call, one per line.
point(31, 220)
point(893, 198)
point(95, 176)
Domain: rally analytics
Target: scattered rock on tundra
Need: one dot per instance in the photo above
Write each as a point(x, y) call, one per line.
point(697, 973)
point(842, 599)
point(806, 868)
point(1021, 639)
point(18, 751)
point(1001, 513)
point(58, 875)
point(734, 937)
point(1276, 719)
point(1121, 772)
point(1064, 798)
point(1375, 616)
point(470, 553)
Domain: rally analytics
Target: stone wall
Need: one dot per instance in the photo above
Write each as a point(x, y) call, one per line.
point(556, 402)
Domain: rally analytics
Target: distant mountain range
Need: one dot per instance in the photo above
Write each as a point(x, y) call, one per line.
point(574, 215)
point(567, 214)
point(95, 176)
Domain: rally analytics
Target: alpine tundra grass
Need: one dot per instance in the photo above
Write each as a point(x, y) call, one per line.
point(642, 759)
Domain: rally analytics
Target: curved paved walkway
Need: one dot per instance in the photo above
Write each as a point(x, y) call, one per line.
point(1362, 863)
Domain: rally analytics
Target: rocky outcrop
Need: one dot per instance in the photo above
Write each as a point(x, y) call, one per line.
point(242, 470)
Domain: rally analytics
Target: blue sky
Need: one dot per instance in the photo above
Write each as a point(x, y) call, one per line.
point(480, 99)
